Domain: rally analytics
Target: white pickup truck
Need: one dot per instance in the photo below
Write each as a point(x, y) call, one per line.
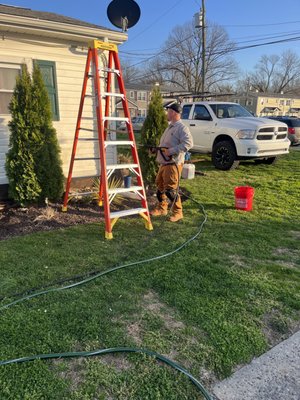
point(230, 133)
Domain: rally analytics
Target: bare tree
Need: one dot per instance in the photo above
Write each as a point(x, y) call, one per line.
point(129, 71)
point(261, 79)
point(274, 73)
point(288, 74)
point(179, 63)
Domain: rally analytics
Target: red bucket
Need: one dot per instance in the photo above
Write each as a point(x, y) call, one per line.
point(244, 197)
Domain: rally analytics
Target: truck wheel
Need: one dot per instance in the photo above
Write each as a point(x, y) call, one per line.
point(224, 156)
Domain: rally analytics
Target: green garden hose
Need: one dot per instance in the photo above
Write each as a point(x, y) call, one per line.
point(119, 349)
point(91, 278)
point(109, 351)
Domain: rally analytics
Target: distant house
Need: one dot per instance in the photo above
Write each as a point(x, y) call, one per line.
point(268, 104)
point(58, 44)
point(138, 97)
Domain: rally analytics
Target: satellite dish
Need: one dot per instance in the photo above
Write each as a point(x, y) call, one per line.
point(123, 13)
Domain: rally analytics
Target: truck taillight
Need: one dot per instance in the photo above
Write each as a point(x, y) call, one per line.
point(291, 130)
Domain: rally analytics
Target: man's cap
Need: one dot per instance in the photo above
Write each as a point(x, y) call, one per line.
point(175, 107)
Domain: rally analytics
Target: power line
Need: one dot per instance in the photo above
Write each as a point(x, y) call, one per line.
point(158, 19)
point(154, 55)
point(267, 35)
point(256, 25)
point(220, 51)
point(163, 51)
point(296, 38)
point(139, 53)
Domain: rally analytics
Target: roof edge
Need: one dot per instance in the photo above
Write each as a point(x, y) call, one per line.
point(15, 23)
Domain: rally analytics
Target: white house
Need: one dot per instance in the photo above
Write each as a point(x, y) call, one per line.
point(59, 45)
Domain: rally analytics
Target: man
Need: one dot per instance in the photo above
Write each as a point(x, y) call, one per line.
point(177, 140)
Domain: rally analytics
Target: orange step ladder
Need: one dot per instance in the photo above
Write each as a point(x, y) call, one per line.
point(101, 107)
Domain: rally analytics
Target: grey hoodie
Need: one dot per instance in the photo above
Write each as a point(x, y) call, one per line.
point(178, 139)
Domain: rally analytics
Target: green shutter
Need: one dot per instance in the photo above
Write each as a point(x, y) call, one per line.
point(49, 76)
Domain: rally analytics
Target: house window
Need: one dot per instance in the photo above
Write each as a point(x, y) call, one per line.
point(281, 102)
point(132, 95)
point(48, 71)
point(288, 102)
point(249, 102)
point(142, 113)
point(8, 76)
point(142, 96)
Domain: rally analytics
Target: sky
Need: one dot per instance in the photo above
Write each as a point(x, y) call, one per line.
point(246, 22)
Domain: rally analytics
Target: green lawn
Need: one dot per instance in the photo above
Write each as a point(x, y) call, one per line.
point(216, 304)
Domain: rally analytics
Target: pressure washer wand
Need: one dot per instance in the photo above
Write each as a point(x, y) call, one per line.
point(156, 149)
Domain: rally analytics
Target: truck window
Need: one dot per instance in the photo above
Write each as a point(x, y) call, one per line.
point(229, 110)
point(201, 112)
point(186, 111)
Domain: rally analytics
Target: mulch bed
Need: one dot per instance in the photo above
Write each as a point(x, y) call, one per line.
point(18, 221)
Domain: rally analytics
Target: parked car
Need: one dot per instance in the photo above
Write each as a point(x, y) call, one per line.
point(230, 133)
point(137, 124)
point(293, 124)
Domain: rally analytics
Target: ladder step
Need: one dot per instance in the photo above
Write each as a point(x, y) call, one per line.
point(113, 94)
point(116, 119)
point(115, 71)
point(78, 194)
point(121, 166)
point(118, 143)
point(88, 130)
point(124, 190)
point(86, 158)
point(119, 214)
point(86, 176)
point(87, 139)
point(109, 131)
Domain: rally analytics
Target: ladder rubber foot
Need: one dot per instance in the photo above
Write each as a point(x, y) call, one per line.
point(108, 235)
point(148, 226)
point(64, 209)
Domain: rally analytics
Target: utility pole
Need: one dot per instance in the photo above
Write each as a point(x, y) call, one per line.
point(203, 25)
point(200, 23)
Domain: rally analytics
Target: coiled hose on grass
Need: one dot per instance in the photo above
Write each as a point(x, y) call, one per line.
point(112, 351)
point(99, 352)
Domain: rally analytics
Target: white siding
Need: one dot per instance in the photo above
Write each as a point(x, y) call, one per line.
point(70, 64)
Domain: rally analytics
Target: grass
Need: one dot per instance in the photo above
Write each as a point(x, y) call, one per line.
point(222, 300)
